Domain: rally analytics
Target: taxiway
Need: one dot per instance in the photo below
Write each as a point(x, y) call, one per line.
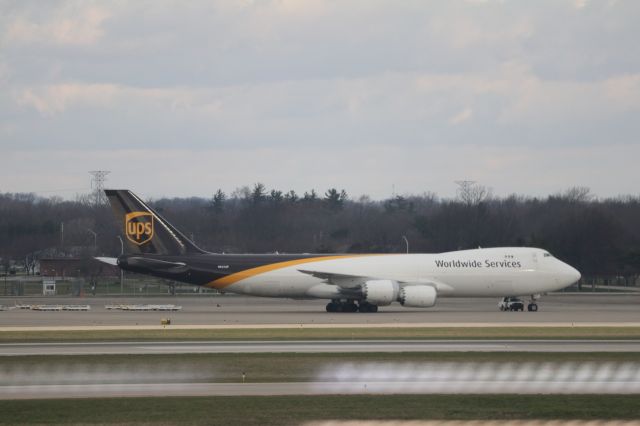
point(236, 310)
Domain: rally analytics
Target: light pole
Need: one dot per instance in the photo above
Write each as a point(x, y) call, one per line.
point(95, 239)
point(121, 270)
point(406, 242)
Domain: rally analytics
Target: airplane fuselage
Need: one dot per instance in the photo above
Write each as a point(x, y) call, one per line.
point(502, 271)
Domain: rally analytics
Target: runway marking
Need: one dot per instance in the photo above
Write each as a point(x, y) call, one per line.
point(323, 346)
point(511, 422)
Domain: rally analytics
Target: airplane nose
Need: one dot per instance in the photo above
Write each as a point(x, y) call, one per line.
point(573, 275)
point(577, 275)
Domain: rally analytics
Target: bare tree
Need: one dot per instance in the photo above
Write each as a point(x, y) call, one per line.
point(471, 193)
point(577, 194)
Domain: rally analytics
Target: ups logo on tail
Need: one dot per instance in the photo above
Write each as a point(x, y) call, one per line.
point(138, 227)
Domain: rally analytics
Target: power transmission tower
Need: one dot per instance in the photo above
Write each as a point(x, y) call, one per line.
point(97, 185)
point(464, 188)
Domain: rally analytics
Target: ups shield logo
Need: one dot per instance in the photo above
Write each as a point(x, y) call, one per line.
point(138, 227)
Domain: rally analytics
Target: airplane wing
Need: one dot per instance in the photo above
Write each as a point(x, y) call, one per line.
point(341, 280)
point(160, 265)
point(355, 282)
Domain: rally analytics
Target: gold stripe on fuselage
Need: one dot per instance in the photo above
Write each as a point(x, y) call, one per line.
point(248, 273)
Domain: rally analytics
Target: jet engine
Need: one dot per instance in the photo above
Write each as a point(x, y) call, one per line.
point(418, 296)
point(380, 292)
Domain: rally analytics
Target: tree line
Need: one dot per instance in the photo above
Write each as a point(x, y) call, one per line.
point(600, 237)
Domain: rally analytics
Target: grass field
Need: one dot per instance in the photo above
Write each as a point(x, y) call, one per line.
point(325, 333)
point(278, 410)
point(288, 367)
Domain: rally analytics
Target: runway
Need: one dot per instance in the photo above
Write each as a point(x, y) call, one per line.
point(342, 378)
point(310, 388)
point(333, 346)
point(238, 311)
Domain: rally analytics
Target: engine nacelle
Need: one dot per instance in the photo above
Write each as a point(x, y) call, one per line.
point(380, 292)
point(418, 296)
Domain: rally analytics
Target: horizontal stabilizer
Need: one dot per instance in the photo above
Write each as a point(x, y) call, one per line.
point(108, 260)
point(157, 265)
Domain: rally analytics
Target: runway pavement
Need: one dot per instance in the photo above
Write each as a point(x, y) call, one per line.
point(310, 388)
point(236, 310)
point(360, 346)
point(571, 385)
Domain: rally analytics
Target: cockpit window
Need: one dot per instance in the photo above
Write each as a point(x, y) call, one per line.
point(547, 254)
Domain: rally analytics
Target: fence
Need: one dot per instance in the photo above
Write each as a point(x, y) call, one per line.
point(133, 285)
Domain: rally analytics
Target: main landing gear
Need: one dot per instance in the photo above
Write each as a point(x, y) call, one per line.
point(337, 305)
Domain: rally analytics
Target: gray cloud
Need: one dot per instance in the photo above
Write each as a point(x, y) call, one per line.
point(526, 97)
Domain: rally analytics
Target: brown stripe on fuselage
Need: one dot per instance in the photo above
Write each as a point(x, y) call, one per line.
point(247, 273)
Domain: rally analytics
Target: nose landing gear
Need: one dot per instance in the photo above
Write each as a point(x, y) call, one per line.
point(533, 306)
point(516, 304)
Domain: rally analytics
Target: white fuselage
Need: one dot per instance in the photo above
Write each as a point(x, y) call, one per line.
point(502, 271)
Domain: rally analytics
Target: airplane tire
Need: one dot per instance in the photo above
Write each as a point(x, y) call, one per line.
point(334, 307)
point(366, 307)
point(344, 307)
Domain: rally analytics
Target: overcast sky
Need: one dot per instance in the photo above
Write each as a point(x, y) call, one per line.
point(182, 98)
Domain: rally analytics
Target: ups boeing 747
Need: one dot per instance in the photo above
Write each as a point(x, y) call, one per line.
point(350, 282)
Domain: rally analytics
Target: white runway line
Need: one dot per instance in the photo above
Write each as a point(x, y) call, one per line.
point(510, 422)
point(483, 377)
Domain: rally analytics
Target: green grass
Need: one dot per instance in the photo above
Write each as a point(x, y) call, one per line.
point(325, 333)
point(269, 367)
point(278, 410)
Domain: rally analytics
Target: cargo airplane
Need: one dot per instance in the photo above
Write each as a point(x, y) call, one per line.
point(350, 282)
